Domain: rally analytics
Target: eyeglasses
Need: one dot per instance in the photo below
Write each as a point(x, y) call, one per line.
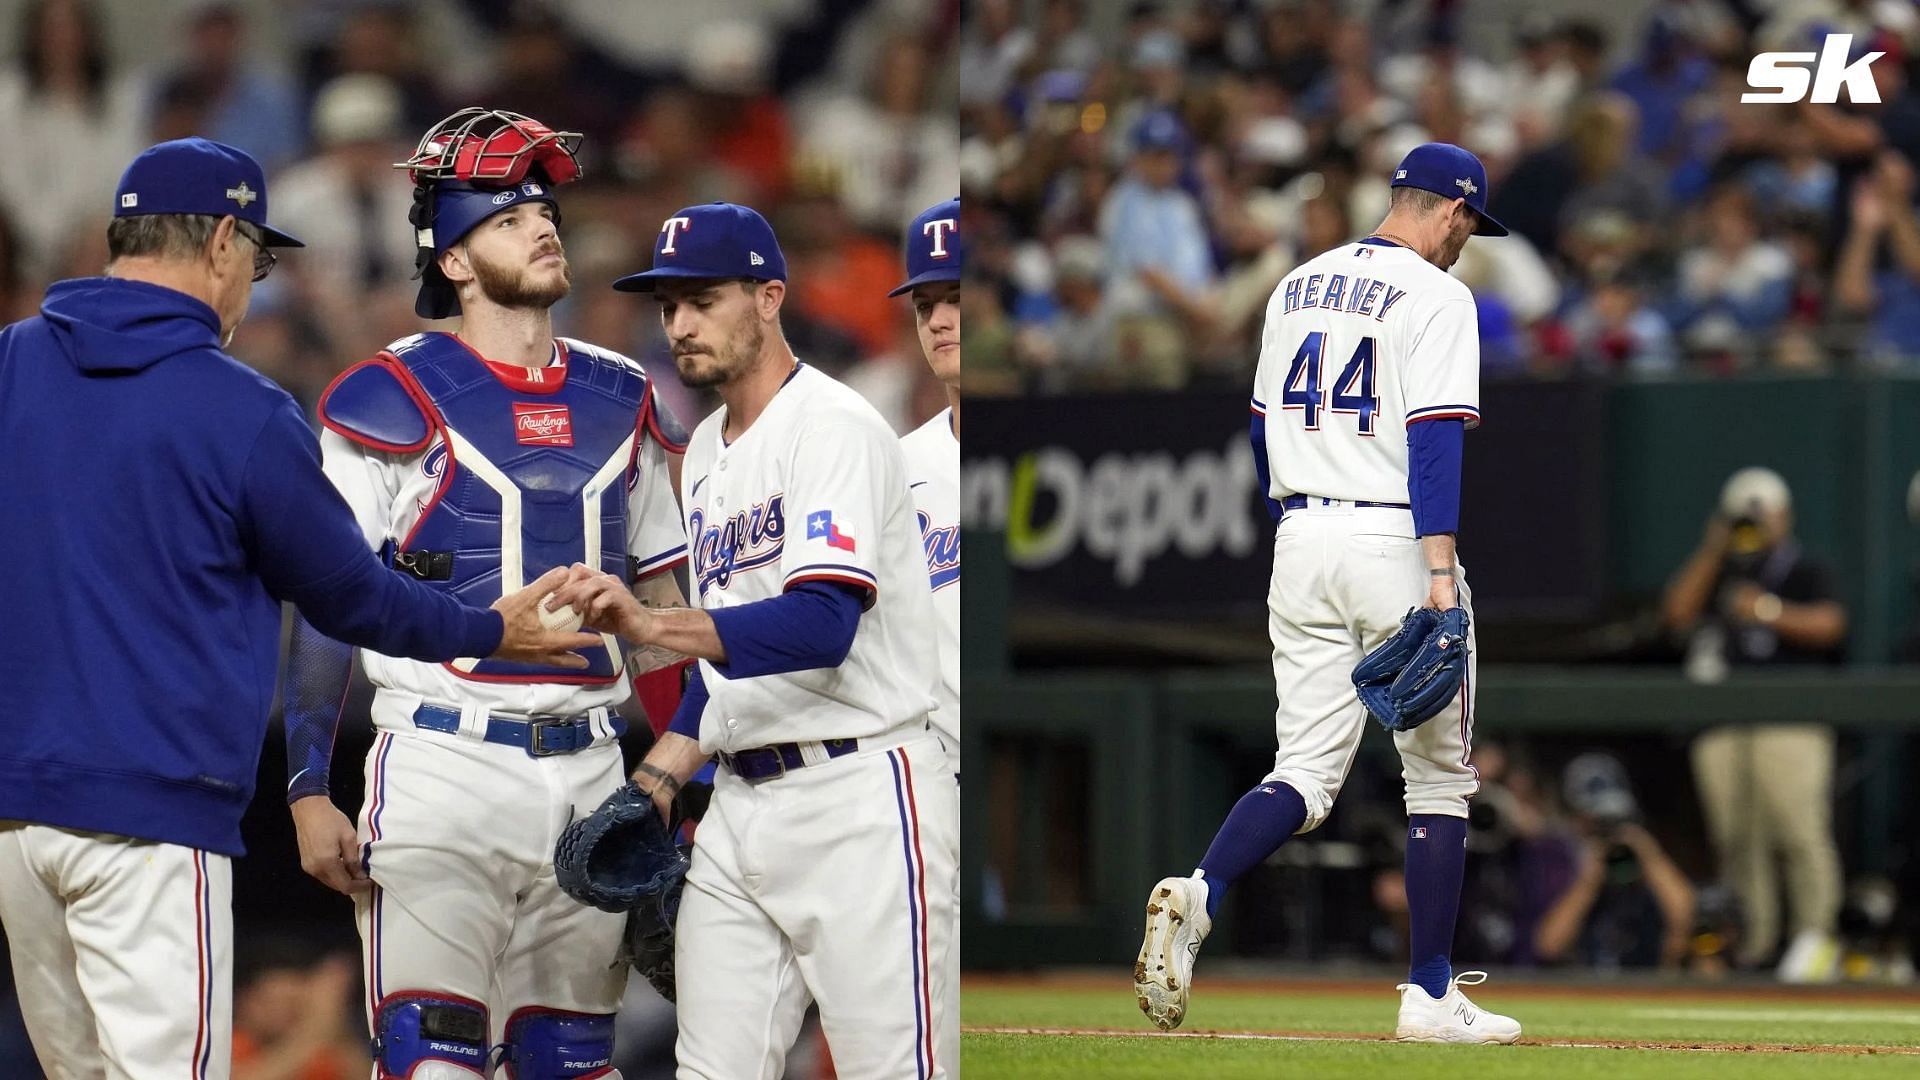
point(263, 258)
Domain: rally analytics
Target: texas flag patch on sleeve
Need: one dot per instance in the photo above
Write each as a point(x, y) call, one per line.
point(820, 526)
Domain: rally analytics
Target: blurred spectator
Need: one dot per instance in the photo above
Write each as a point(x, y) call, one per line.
point(894, 157)
point(1668, 73)
point(1614, 330)
point(1735, 286)
point(295, 1018)
point(841, 276)
point(1883, 226)
point(350, 199)
point(1158, 260)
point(1624, 903)
point(732, 64)
point(70, 124)
point(541, 72)
point(1750, 597)
point(1798, 180)
point(992, 49)
point(1541, 81)
point(381, 38)
point(1079, 336)
point(247, 104)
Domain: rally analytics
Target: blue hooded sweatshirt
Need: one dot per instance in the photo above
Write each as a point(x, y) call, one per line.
point(158, 500)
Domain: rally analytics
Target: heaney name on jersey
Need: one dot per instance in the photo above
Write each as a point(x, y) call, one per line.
point(1334, 292)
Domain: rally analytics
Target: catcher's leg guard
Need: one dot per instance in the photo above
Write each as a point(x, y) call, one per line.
point(421, 1035)
point(553, 1044)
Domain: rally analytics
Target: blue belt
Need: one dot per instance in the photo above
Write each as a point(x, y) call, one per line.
point(764, 762)
point(541, 737)
point(1301, 502)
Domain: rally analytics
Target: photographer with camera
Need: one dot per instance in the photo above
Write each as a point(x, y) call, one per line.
point(1750, 597)
point(1628, 904)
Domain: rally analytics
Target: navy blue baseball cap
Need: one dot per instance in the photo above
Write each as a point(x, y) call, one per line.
point(712, 240)
point(198, 176)
point(1450, 172)
point(459, 206)
point(934, 247)
point(1160, 129)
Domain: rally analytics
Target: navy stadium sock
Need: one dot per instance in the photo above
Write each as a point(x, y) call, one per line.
point(1436, 857)
point(1261, 821)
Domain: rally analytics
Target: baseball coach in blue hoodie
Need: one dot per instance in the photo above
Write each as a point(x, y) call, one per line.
point(158, 501)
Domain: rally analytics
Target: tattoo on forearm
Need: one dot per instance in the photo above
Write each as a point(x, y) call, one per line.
point(663, 777)
point(651, 658)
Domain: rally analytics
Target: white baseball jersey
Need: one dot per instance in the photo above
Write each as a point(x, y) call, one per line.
point(829, 881)
point(933, 475)
point(815, 490)
point(389, 493)
point(1359, 343)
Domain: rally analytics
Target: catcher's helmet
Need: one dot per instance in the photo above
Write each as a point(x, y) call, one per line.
point(469, 167)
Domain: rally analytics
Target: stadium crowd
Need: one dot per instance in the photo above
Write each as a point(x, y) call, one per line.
point(839, 129)
point(1137, 184)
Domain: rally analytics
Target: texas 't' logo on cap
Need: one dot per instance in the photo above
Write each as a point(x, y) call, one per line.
point(939, 229)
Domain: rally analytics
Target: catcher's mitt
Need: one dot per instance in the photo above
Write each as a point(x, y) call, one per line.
point(1413, 674)
point(621, 855)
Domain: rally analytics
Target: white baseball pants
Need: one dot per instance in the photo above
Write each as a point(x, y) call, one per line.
point(1343, 576)
point(122, 952)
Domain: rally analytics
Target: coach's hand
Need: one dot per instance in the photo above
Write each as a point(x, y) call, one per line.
point(527, 639)
point(606, 604)
point(329, 849)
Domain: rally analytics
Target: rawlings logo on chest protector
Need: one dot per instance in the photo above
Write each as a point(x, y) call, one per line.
point(542, 425)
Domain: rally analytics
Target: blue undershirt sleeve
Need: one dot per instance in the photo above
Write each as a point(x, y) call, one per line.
point(693, 702)
point(303, 543)
point(1258, 430)
point(1433, 474)
point(318, 670)
point(809, 626)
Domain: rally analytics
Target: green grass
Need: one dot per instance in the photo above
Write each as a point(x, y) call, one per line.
point(1548, 1014)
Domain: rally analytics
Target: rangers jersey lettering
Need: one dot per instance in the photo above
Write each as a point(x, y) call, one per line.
point(933, 476)
point(815, 490)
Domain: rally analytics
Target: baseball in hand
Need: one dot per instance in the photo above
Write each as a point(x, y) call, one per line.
point(562, 618)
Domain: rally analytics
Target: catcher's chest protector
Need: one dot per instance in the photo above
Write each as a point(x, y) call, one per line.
point(531, 480)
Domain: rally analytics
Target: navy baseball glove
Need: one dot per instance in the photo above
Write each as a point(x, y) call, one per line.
point(648, 941)
point(1414, 674)
point(620, 856)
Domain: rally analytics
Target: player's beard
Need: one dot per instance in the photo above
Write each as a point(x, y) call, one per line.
point(520, 288)
point(742, 349)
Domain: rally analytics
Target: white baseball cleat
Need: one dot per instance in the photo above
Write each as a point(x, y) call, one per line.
point(1177, 923)
point(1451, 1018)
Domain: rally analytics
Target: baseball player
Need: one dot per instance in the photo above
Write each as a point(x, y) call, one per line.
point(1367, 381)
point(163, 500)
point(934, 254)
point(474, 460)
point(822, 865)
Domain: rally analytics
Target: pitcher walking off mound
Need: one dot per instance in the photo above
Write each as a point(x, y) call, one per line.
point(1368, 378)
